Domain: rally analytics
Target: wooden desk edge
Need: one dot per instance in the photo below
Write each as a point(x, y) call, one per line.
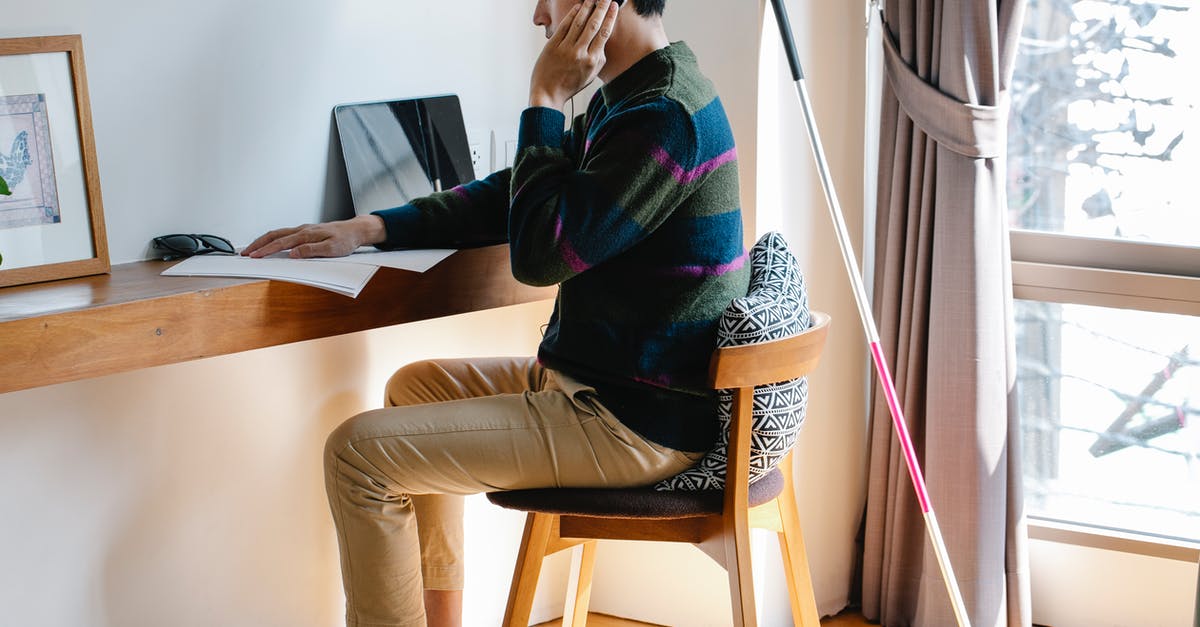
point(136, 319)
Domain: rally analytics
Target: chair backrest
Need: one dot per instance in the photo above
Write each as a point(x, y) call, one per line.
point(748, 365)
point(743, 367)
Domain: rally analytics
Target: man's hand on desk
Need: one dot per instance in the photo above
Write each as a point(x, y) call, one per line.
point(331, 239)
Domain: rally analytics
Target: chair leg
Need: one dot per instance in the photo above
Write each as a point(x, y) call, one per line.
point(741, 576)
point(735, 516)
point(534, 542)
point(795, 558)
point(579, 587)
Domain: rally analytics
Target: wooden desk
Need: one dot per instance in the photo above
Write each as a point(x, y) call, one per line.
point(133, 318)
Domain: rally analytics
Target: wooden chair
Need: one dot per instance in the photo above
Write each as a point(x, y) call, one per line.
point(717, 522)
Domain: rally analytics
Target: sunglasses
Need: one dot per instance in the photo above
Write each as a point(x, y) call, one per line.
point(185, 245)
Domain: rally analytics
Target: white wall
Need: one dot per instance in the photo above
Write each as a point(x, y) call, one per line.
point(191, 494)
point(1076, 586)
point(216, 116)
point(831, 453)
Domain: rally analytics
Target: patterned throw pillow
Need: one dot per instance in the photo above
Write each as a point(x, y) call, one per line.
point(776, 307)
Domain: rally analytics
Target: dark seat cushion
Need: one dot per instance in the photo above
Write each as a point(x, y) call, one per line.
point(632, 502)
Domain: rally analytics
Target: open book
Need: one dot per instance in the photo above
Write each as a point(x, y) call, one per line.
point(344, 275)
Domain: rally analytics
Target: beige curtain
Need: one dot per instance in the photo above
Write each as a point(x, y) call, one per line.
point(943, 302)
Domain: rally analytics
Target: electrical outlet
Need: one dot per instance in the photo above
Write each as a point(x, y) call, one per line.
point(479, 142)
point(477, 160)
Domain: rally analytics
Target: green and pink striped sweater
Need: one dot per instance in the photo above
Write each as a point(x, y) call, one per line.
point(634, 212)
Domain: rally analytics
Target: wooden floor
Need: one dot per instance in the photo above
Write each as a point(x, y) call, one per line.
point(845, 619)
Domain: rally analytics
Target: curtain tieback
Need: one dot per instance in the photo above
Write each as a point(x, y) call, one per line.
point(974, 131)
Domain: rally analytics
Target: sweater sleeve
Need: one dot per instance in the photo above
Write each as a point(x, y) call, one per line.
point(472, 214)
point(636, 167)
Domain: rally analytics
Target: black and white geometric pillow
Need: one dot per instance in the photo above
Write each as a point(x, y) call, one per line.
point(775, 307)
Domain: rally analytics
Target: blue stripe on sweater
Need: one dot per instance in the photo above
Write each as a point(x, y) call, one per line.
point(712, 131)
point(707, 240)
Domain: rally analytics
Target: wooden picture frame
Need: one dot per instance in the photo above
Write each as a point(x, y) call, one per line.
point(52, 222)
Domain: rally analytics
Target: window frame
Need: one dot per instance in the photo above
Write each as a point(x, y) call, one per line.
point(1144, 276)
point(1076, 270)
point(1113, 539)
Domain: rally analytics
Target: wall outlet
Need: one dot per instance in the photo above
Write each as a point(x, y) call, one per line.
point(479, 142)
point(477, 162)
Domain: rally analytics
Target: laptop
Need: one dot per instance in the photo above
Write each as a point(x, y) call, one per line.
point(398, 150)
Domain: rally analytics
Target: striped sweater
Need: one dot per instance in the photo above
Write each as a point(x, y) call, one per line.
point(634, 212)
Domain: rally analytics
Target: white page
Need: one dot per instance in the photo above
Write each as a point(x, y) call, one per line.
point(417, 260)
point(343, 278)
point(345, 275)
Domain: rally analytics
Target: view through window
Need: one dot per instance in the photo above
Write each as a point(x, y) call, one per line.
point(1104, 144)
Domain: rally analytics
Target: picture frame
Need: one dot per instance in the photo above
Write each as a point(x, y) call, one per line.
point(52, 219)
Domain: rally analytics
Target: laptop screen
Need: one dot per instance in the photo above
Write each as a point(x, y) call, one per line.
point(402, 149)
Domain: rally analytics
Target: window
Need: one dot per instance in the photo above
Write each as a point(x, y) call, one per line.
point(1104, 164)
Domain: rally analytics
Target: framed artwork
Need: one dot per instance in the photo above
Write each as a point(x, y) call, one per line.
point(51, 216)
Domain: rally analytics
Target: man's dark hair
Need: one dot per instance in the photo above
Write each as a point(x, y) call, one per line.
point(649, 7)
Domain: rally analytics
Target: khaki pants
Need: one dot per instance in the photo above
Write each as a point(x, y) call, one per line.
point(396, 476)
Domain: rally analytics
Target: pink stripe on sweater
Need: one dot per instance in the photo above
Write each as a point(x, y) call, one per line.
point(714, 270)
point(661, 380)
point(665, 160)
point(574, 261)
point(572, 258)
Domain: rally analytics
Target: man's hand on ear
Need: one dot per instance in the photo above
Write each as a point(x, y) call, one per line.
point(574, 55)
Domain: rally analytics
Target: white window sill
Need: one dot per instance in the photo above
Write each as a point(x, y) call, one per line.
point(1114, 540)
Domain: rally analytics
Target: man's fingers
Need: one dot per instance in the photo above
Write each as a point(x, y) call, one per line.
point(297, 237)
point(334, 239)
point(274, 246)
point(583, 14)
point(592, 26)
point(604, 28)
point(267, 238)
point(596, 19)
point(564, 29)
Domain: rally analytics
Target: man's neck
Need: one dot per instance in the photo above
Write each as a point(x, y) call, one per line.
point(633, 39)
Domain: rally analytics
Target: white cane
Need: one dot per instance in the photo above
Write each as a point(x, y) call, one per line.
point(868, 321)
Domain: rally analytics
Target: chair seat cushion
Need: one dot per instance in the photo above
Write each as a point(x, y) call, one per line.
point(632, 502)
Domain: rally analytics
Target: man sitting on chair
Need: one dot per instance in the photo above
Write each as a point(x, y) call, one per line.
point(634, 213)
